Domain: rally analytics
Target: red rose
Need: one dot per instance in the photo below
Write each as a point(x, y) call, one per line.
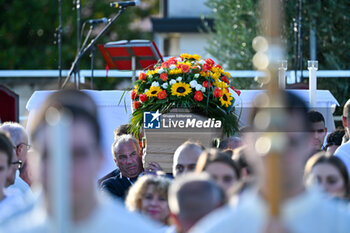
point(133, 94)
point(217, 92)
point(142, 76)
point(225, 79)
point(143, 97)
point(218, 66)
point(205, 84)
point(205, 68)
point(164, 76)
point(136, 104)
point(185, 68)
point(210, 62)
point(198, 96)
point(162, 95)
point(165, 64)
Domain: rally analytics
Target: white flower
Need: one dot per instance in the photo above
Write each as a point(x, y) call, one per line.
point(199, 87)
point(203, 89)
point(179, 59)
point(172, 82)
point(172, 67)
point(196, 76)
point(146, 90)
point(155, 84)
point(161, 70)
point(193, 83)
point(179, 79)
point(202, 62)
point(165, 85)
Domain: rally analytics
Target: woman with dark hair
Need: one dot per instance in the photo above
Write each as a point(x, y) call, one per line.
point(330, 173)
point(220, 166)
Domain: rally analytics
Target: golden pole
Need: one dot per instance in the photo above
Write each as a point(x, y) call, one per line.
point(269, 54)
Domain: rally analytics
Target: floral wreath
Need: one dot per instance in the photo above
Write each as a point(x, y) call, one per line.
point(185, 82)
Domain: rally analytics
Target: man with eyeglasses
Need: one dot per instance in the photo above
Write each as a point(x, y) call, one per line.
point(18, 169)
point(8, 203)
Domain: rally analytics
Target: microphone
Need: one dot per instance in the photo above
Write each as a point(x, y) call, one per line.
point(97, 21)
point(125, 4)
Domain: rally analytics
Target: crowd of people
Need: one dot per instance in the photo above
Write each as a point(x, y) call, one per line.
point(226, 188)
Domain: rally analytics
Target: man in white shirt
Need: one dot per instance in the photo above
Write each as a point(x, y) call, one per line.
point(343, 152)
point(300, 210)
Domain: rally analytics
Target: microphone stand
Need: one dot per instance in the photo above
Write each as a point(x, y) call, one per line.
point(89, 46)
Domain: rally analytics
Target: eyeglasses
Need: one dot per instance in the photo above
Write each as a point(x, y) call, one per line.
point(27, 146)
point(19, 163)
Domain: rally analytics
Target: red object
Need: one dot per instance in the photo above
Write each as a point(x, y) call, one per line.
point(198, 96)
point(9, 105)
point(118, 54)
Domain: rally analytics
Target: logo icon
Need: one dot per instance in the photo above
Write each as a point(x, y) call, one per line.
point(151, 120)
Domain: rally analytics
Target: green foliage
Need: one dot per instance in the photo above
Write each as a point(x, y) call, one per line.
point(28, 29)
point(236, 23)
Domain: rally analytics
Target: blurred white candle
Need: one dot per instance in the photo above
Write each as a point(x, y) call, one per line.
point(60, 157)
point(282, 74)
point(313, 67)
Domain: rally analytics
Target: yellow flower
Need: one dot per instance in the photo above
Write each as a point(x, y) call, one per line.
point(215, 76)
point(189, 56)
point(203, 74)
point(180, 89)
point(196, 57)
point(221, 85)
point(226, 98)
point(153, 91)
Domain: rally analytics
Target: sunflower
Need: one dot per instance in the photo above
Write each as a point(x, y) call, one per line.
point(226, 98)
point(180, 89)
point(153, 91)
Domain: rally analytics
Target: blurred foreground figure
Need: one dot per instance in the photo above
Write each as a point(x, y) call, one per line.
point(343, 152)
point(301, 210)
point(90, 211)
point(191, 197)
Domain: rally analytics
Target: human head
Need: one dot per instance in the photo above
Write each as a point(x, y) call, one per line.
point(191, 197)
point(84, 141)
point(185, 157)
point(149, 195)
point(346, 116)
point(334, 140)
point(230, 143)
point(329, 172)
point(19, 138)
point(122, 129)
point(289, 127)
point(220, 167)
point(318, 127)
point(6, 157)
point(126, 155)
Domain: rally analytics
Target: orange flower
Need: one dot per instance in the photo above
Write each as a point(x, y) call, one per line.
point(164, 76)
point(142, 76)
point(165, 64)
point(162, 95)
point(198, 96)
point(133, 94)
point(136, 104)
point(185, 68)
point(217, 93)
